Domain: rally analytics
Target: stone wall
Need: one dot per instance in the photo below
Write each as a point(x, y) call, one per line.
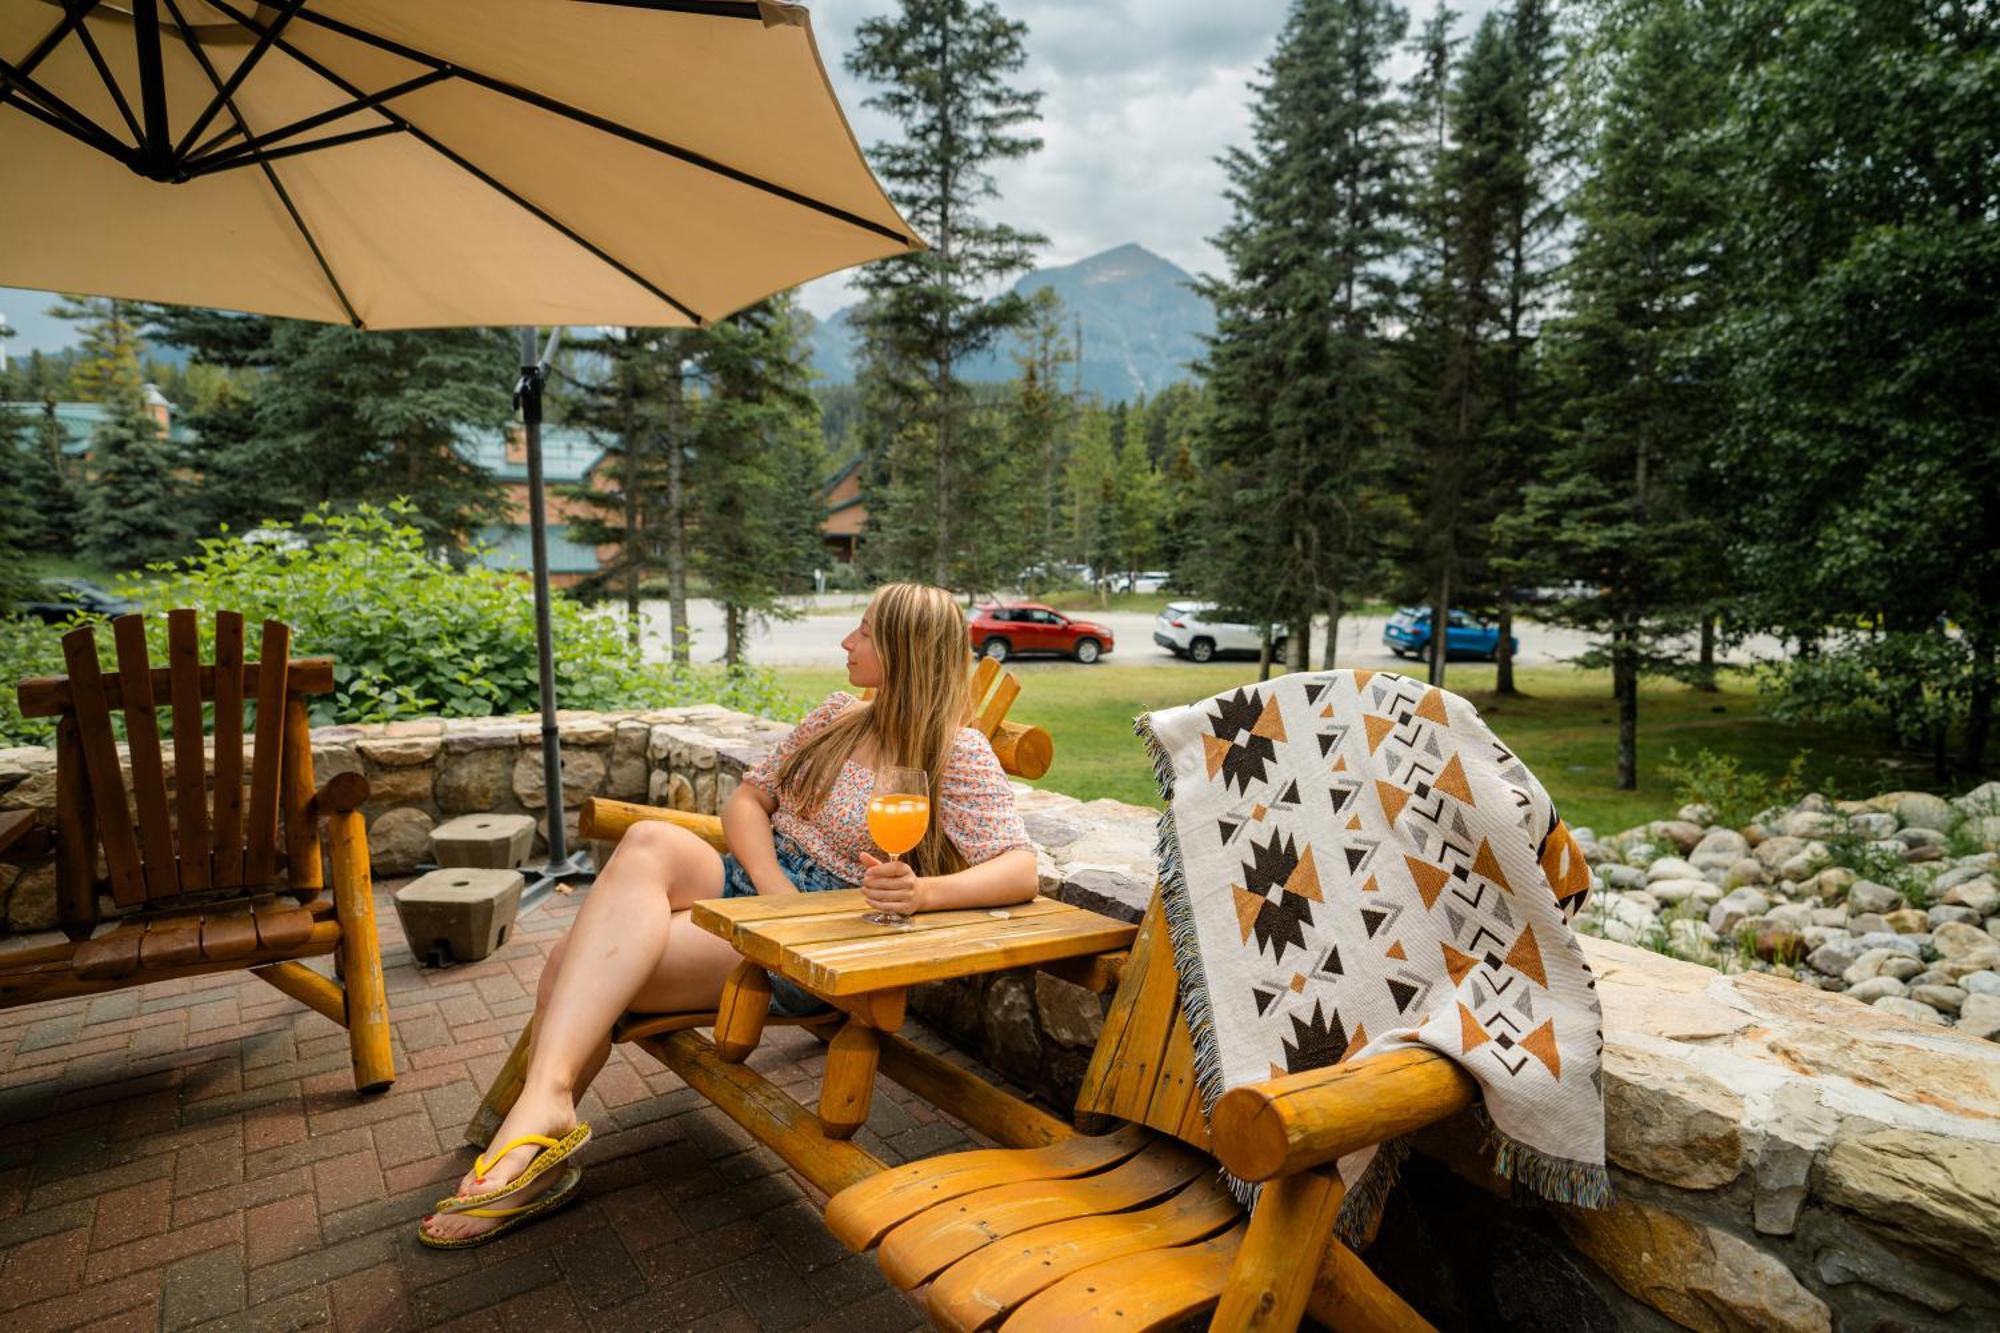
point(1786, 1158)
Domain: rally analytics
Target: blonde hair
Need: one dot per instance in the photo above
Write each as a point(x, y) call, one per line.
point(914, 717)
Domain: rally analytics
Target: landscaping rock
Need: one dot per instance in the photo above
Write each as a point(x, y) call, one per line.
point(583, 774)
point(1774, 852)
point(1865, 895)
point(1069, 1013)
point(1834, 957)
point(1736, 905)
point(1981, 895)
point(1872, 825)
point(1671, 867)
point(1909, 921)
point(1981, 983)
point(1745, 872)
point(1674, 891)
point(1915, 1011)
point(1945, 912)
point(1918, 809)
point(1682, 833)
point(1938, 1191)
point(1956, 939)
point(1979, 1016)
point(1876, 988)
point(1625, 877)
point(1815, 824)
point(1880, 962)
point(1722, 842)
point(1944, 999)
point(475, 781)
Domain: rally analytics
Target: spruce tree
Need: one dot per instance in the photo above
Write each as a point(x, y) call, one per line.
point(1299, 381)
point(757, 465)
point(1042, 413)
point(16, 517)
point(1620, 500)
point(50, 486)
point(944, 70)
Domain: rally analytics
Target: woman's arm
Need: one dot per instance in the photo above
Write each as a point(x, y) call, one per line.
point(746, 823)
point(892, 886)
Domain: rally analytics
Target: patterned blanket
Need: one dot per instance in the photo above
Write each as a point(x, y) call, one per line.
point(1351, 861)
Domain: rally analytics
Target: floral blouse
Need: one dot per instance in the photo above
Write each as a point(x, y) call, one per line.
point(973, 804)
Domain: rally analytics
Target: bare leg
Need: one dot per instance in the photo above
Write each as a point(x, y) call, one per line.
point(628, 949)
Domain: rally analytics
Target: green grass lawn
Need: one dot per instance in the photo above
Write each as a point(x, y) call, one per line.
point(1565, 727)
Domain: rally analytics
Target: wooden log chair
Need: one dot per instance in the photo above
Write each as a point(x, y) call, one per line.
point(1061, 1230)
point(1024, 751)
point(206, 886)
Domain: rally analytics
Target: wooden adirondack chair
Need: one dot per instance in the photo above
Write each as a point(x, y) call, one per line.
point(203, 883)
point(1133, 1229)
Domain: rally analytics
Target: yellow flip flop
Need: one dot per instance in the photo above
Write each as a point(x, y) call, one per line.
point(565, 1190)
point(554, 1153)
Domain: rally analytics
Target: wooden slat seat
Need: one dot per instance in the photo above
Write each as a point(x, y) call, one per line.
point(202, 886)
point(1134, 1229)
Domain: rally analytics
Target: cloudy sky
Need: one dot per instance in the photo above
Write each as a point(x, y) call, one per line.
point(1138, 100)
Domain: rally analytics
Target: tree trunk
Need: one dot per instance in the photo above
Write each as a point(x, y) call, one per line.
point(632, 547)
point(1299, 656)
point(1326, 654)
point(1625, 688)
point(1979, 708)
point(1264, 657)
point(1503, 657)
point(677, 556)
point(732, 634)
point(941, 482)
point(1440, 644)
point(1705, 664)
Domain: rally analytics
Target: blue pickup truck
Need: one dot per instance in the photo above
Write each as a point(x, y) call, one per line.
point(1408, 634)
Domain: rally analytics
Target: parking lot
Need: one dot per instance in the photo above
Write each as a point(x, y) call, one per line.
point(814, 639)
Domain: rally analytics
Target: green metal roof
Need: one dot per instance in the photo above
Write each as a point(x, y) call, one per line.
point(80, 420)
point(510, 550)
point(568, 455)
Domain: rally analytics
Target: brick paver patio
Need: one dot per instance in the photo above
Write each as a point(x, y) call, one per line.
point(192, 1155)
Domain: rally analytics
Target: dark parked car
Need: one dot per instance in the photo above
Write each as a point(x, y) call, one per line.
point(56, 600)
point(1001, 631)
point(1408, 634)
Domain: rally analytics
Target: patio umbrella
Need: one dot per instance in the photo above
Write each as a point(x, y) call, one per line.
point(393, 164)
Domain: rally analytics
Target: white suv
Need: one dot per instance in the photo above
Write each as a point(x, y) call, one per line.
point(1197, 630)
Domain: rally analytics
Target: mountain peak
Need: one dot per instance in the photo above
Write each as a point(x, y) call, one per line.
point(1142, 324)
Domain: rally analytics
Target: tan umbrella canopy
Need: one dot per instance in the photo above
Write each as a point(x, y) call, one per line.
point(425, 163)
point(421, 163)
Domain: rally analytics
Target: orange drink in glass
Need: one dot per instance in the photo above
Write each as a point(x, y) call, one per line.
point(899, 811)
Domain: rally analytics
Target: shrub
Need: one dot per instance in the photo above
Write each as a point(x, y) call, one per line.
point(1735, 797)
point(409, 634)
point(27, 648)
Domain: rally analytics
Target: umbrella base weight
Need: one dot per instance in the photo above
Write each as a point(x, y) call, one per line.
point(484, 842)
point(460, 914)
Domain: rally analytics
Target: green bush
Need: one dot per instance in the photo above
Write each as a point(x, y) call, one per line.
point(1720, 782)
point(409, 634)
point(27, 648)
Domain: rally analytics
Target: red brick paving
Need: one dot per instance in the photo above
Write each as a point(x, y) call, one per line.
point(191, 1155)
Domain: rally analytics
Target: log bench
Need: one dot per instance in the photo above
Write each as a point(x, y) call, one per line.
point(1059, 1229)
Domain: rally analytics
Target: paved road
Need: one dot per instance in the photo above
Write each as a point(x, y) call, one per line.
point(814, 638)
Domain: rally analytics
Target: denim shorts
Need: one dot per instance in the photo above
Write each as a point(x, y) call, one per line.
point(787, 997)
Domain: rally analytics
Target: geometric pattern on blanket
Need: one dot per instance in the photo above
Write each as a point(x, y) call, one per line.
point(1352, 861)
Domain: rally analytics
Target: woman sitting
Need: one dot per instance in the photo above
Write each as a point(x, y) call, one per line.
point(797, 824)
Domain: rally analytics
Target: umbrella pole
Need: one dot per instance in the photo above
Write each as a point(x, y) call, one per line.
point(563, 867)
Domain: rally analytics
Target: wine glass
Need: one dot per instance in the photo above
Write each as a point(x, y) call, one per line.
point(899, 810)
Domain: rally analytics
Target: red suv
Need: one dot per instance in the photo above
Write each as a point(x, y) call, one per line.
point(1001, 631)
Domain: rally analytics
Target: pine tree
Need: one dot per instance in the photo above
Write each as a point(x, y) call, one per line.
point(634, 402)
point(49, 488)
point(15, 513)
point(944, 67)
point(1299, 380)
point(1619, 501)
point(758, 461)
point(1043, 410)
point(131, 513)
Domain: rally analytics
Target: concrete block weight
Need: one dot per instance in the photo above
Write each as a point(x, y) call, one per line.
point(459, 914)
point(485, 842)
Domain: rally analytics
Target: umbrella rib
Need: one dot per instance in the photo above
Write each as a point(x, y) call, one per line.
point(485, 178)
point(600, 123)
point(260, 155)
point(207, 155)
point(12, 97)
point(55, 109)
point(236, 76)
point(104, 73)
point(270, 176)
point(54, 36)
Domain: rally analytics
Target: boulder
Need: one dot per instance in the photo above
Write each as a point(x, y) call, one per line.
point(1745, 872)
point(1624, 877)
point(1735, 906)
point(1699, 1276)
point(1979, 1016)
point(1947, 912)
point(1814, 824)
point(1881, 962)
point(1834, 957)
point(1833, 882)
point(1683, 834)
point(1774, 852)
point(1877, 988)
point(1872, 825)
point(1981, 982)
point(1722, 842)
point(1956, 939)
point(1673, 891)
point(1944, 999)
point(1865, 895)
point(398, 840)
point(1670, 867)
point(1909, 921)
point(1937, 1191)
point(1914, 1010)
point(1981, 895)
point(1669, 1122)
point(1920, 809)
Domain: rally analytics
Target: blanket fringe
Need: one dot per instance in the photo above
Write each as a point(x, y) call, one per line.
point(1557, 1179)
point(1361, 1209)
point(1187, 949)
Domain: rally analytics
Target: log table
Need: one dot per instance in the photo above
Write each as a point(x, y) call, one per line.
point(820, 942)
